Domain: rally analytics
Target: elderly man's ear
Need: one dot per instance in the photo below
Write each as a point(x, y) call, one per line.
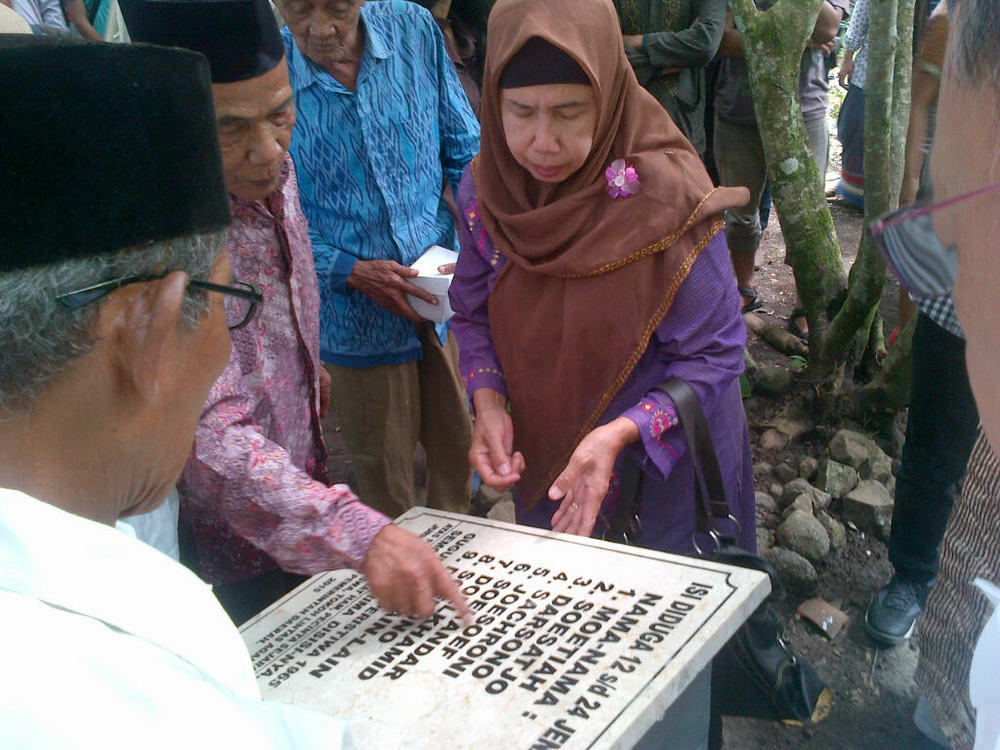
point(139, 323)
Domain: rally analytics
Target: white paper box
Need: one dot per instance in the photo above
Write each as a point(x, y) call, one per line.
point(433, 282)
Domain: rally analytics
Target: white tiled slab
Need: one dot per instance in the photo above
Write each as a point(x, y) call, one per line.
point(577, 643)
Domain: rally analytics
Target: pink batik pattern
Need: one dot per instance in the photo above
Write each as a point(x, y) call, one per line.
point(254, 490)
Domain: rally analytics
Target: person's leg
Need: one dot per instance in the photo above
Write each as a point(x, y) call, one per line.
point(819, 144)
point(739, 157)
point(850, 132)
point(378, 410)
point(940, 430)
point(445, 426)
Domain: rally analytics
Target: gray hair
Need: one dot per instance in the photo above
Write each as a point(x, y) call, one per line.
point(41, 336)
point(977, 43)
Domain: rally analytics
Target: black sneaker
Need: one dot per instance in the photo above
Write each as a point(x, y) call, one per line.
point(893, 612)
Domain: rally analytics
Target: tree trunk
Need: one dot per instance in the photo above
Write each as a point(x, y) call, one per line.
point(887, 109)
point(840, 313)
point(773, 43)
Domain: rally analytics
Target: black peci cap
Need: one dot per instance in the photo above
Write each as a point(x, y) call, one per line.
point(103, 147)
point(240, 38)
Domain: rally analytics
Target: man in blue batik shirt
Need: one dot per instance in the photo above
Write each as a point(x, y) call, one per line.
point(382, 122)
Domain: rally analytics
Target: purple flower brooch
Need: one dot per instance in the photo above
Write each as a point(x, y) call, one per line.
point(623, 180)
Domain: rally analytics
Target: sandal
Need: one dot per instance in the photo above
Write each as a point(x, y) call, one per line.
point(753, 295)
point(798, 312)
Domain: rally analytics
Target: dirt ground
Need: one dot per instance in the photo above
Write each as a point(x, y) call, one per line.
point(874, 695)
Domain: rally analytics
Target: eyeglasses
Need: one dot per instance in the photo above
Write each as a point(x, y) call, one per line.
point(923, 264)
point(241, 305)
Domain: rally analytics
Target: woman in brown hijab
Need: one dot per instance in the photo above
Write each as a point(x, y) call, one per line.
point(592, 269)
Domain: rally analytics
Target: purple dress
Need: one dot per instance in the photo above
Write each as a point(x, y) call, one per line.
point(700, 341)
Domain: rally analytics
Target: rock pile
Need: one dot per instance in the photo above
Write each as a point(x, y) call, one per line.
point(795, 528)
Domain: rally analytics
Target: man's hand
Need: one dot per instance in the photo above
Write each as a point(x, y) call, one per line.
point(846, 69)
point(632, 40)
point(493, 440)
point(325, 386)
point(406, 575)
point(385, 282)
point(582, 485)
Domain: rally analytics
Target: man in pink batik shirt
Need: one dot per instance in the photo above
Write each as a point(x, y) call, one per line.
point(256, 508)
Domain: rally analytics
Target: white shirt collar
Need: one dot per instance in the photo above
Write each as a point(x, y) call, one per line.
point(83, 566)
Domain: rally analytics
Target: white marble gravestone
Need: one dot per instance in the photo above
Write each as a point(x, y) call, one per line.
point(576, 643)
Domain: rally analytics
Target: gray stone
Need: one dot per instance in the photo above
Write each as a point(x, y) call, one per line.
point(877, 467)
point(802, 533)
point(803, 502)
point(836, 478)
point(765, 502)
point(775, 489)
point(767, 511)
point(793, 422)
point(771, 440)
point(763, 539)
point(785, 472)
point(869, 506)
point(808, 467)
point(792, 490)
point(834, 529)
point(762, 473)
point(852, 448)
point(797, 573)
point(796, 487)
point(772, 380)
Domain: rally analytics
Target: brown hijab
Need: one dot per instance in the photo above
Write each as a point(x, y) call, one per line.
point(589, 277)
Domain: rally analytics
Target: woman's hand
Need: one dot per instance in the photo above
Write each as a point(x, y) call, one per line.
point(583, 484)
point(493, 440)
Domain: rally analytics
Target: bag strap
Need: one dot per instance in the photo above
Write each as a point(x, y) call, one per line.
point(710, 493)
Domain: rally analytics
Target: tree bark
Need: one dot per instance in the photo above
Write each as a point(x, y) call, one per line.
point(887, 109)
point(773, 42)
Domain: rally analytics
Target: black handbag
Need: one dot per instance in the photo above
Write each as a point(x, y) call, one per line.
point(756, 674)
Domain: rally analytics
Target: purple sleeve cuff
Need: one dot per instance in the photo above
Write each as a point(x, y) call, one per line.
point(656, 418)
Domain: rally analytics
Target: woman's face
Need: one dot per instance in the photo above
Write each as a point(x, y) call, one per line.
point(549, 128)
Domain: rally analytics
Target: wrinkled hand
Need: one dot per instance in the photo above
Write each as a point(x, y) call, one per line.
point(632, 40)
point(406, 575)
point(325, 386)
point(385, 282)
point(582, 485)
point(493, 441)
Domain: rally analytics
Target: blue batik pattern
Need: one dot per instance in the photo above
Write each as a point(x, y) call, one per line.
point(371, 165)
